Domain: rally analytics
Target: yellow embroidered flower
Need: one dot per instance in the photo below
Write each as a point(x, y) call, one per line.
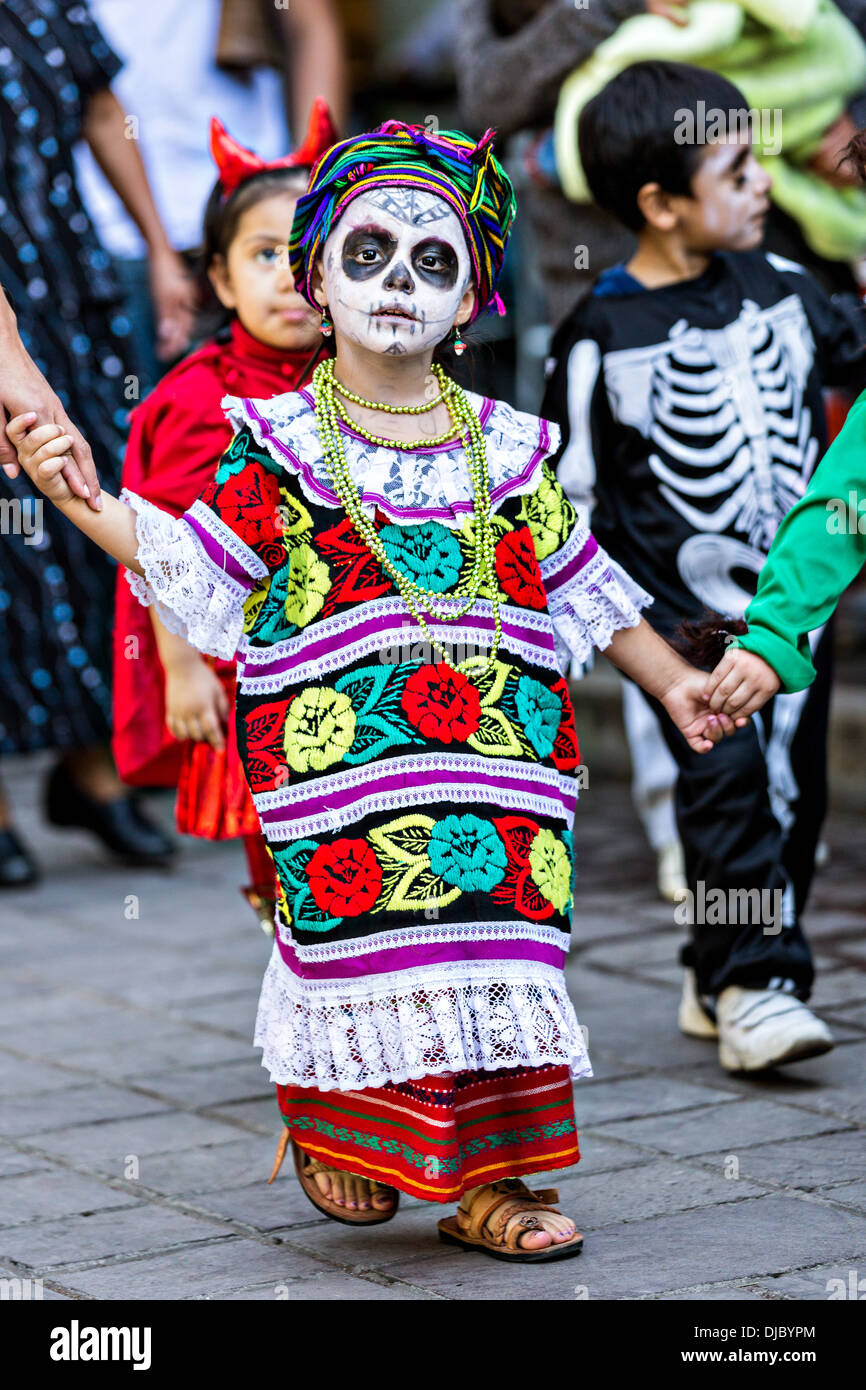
point(545, 515)
point(320, 727)
point(550, 869)
point(308, 585)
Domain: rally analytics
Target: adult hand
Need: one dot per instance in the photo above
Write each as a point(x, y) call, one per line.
point(675, 13)
point(23, 388)
point(174, 304)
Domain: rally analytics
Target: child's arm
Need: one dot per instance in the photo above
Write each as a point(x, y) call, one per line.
point(196, 706)
point(43, 452)
point(640, 653)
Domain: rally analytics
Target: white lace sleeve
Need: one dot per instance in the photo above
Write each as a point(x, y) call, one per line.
point(192, 595)
point(590, 597)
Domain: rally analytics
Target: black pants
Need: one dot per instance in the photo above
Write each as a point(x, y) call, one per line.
point(749, 815)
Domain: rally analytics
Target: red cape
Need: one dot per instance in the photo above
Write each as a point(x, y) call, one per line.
point(177, 436)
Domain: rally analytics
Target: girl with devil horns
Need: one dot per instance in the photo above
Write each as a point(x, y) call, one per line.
point(172, 705)
point(418, 807)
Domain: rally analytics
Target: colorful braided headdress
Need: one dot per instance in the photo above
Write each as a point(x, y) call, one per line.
point(463, 172)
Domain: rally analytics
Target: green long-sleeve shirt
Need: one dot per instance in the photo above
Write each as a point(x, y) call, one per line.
point(819, 548)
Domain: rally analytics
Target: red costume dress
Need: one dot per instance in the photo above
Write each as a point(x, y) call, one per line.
point(177, 437)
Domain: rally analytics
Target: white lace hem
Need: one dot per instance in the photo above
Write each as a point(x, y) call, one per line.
point(594, 604)
point(464, 1016)
point(191, 595)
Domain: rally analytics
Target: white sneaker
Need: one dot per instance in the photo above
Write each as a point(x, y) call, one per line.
point(694, 1020)
point(760, 1028)
point(671, 872)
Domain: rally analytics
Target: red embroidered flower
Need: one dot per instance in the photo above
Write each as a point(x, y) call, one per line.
point(249, 503)
point(517, 568)
point(267, 768)
point(517, 888)
point(357, 574)
point(345, 877)
point(566, 753)
point(442, 704)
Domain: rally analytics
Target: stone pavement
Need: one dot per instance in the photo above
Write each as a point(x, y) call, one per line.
point(138, 1127)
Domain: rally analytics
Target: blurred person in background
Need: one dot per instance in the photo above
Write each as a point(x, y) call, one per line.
point(183, 63)
point(511, 59)
point(55, 638)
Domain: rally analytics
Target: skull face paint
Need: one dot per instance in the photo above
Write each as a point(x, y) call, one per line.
point(395, 269)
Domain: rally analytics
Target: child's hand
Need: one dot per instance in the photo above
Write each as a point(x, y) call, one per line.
point(196, 706)
point(43, 452)
point(687, 706)
point(741, 683)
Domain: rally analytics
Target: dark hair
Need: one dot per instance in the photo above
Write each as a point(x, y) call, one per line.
point(855, 150)
point(221, 219)
point(629, 133)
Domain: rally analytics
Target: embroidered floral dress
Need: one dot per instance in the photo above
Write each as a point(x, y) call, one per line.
point(420, 822)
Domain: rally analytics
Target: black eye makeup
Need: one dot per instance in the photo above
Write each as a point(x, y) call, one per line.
point(366, 251)
point(436, 262)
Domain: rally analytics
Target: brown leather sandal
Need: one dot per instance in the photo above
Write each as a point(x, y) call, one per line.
point(306, 1167)
point(483, 1226)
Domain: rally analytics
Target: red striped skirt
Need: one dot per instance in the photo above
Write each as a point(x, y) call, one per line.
point(438, 1136)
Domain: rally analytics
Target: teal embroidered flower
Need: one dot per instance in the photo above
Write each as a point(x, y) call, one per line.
point(272, 624)
point(235, 459)
point(427, 553)
point(467, 852)
point(540, 712)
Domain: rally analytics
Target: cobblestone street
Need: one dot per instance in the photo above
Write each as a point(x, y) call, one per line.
point(138, 1127)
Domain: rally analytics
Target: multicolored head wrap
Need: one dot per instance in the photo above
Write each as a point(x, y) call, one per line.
point(463, 172)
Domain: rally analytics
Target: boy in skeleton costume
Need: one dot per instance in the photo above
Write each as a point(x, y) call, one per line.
point(688, 386)
point(417, 806)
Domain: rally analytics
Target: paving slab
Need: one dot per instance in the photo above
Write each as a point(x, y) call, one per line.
point(41, 1196)
point(50, 1245)
point(723, 1129)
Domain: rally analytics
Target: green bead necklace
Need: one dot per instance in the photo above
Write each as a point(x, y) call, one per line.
point(446, 389)
point(466, 426)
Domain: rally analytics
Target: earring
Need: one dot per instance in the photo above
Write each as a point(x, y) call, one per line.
point(326, 327)
point(457, 342)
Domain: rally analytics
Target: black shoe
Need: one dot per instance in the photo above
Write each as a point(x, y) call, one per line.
point(121, 825)
point(17, 868)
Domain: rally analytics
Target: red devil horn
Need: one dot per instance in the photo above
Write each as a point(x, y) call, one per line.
point(234, 162)
point(321, 135)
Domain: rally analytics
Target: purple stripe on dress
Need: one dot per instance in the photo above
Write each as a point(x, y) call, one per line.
point(216, 552)
point(312, 651)
point(418, 513)
point(411, 957)
point(335, 799)
point(583, 557)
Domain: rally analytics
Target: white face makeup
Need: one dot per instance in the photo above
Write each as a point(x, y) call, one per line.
point(395, 269)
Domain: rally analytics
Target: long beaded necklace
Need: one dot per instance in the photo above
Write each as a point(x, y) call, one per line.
point(465, 426)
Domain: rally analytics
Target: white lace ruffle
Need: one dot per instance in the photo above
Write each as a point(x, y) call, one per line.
point(463, 1016)
point(400, 481)
point(191, 595)
point(591, 606)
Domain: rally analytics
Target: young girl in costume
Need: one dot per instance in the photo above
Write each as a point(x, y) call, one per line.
point(357, 536)
point(171, 704)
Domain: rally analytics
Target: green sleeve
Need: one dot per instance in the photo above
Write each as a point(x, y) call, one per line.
point(820, 547)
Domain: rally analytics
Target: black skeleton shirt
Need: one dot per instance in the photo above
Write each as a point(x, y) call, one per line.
point(692, 418)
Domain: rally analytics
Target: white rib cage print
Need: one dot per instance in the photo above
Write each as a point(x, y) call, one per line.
point(735, 449)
